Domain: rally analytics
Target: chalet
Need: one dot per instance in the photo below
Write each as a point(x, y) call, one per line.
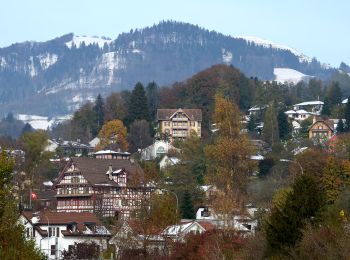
point(299, 115)
point(321, 129)
point(168, 161)
point(55, 232)
point(179, 123)
point(75, 148)
point(110, 187)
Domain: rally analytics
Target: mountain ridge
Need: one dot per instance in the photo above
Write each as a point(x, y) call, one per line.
point(61, 75)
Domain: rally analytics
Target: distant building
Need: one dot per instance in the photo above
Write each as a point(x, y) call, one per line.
point(158, 149)
point(179, 123)
point(256, 111)
point(54, 232)
point(109, 187)
point(298, 115)
point(167, 161)
point(69, 148)
point(109, 154)
point(94, 142)
point(321, 129)
point(315, 107)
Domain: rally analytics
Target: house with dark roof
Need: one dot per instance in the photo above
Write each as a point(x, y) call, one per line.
point(53, 232)
point(109, 187)
point(321, 130)
point(179, 123)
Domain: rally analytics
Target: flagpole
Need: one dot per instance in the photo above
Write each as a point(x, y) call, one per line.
point(30, 198)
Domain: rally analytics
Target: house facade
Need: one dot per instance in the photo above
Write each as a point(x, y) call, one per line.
point(321, 129)
point(55, 232)
point(156, 150)
point(109, 187)
point(179, 123)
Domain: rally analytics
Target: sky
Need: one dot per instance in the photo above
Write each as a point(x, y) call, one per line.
point(317, 28)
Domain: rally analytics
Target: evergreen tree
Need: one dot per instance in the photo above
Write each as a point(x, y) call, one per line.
point(347, 116)
point(187, 208)
point(285, 224)
point(138, 105)
point(340, 126)
point(27, 128)
point(152, 98)
point(251, 124)
point(270, 130)
point(334, 94)
point(284, 127)
point(99, 113)
point(326, 111)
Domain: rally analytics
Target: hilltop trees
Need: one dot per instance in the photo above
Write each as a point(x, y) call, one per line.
point(284, 128)
point(99, 113)
point(139, 136)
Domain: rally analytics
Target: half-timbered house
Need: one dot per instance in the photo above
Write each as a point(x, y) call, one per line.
point(109, 187)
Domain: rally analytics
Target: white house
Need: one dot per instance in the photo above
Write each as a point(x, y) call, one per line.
point(244, 223)
point(157, 149)
point(299, 115)
point(256, 110)
point(180, 231)
point(94, 142)
point(311, 106)
point(168, 161)
point(54, 232)
point(51, 146)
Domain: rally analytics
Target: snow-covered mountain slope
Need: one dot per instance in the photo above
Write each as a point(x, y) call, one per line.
point(78, 40)
point(283, 75)
point(42, 122)
point(269, 44)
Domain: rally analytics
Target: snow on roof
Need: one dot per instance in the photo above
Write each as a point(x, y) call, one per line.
point(345, 101)
point(257, 157)
point(299, 150)
point(310, 103)
point(256, 108)
point(174, 160)
point(47, 183)
point(205, 187)
point(302, 111)
point(290, 112)
point(109, 152)
point(176, 229)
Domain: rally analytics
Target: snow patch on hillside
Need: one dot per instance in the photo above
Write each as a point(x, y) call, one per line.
point(283, 75)
point(47, 60)
point(78, 40)
point(270, 44)
point(42, 122)
point(111, 61)
point(226, 56)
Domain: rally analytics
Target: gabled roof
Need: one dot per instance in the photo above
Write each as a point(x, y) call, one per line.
point(310, 103)
point(81, 219)
point(329, 123)
point(94, 170)
point(192, 114)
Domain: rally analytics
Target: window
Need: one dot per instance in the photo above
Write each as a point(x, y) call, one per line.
point(50, 232)
point(53, 249)
point(28, 232)
point(192, 123)
point(58, 232)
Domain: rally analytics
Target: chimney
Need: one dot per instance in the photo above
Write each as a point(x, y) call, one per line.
point(109, 172)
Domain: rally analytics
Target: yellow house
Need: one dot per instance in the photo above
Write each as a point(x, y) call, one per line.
point(179, 123)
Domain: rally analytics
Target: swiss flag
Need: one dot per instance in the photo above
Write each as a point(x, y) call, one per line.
point(33, 195)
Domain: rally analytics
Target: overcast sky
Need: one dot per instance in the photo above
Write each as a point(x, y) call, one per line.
point(318, 28)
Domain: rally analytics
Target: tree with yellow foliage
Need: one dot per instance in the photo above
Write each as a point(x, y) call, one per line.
point(113, 133)
point(229, 164)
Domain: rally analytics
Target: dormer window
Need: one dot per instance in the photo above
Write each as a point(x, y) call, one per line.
point(72, 227)
point(91, 226)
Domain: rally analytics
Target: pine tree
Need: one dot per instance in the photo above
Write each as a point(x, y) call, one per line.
point(284, 127)
point(99, 113)
point(187, 208)
point(334, 94)
point(270, 130)
point(347, 116)
point(340, 126)
point(284, 227)
point(138, 105)
point(152, 98)
point(326, 111)
point(251, 124)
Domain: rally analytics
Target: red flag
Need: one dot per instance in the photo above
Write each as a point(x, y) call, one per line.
point(33, 195)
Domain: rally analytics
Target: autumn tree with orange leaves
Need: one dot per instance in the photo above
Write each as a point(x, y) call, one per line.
point(113, 134)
